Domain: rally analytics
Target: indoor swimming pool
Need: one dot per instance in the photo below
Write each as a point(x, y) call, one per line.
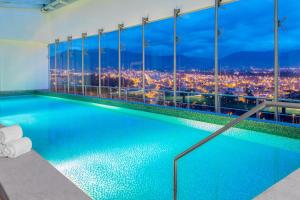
point(116, 153)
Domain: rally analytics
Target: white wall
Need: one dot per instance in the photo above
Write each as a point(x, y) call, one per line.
point(23, 24)
point(23, 65)
point(23, 49)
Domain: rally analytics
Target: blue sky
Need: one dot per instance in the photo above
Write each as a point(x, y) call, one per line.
point(245, 25)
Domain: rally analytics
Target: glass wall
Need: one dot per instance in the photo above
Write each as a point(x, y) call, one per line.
point(91, 65)
point(159, 61)
point(289, 54)
point(246, 60)
point(195, 59)
point(51, 52)
point(62, 74)
point(131, 62)
point(76, 66)
point(289, 49)
point(246, 53)
point(109, 64)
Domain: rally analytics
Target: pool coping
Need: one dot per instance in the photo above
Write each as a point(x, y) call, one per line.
point(32, 177)
point(265, 126)
point(287, 188)
point(19, 92)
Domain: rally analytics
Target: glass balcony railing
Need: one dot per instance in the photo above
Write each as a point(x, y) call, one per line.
point(229, 104)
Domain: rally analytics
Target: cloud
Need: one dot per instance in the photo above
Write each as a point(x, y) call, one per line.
point(245, 25)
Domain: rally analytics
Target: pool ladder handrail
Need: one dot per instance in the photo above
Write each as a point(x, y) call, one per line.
point(234, 122)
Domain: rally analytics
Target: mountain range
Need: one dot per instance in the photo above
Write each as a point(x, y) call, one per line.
point(243, 60)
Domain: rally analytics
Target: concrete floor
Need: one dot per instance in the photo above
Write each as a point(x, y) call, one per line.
point(286, 189)
point(30, 177)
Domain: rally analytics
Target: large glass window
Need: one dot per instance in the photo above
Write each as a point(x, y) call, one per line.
point(289, 54)
point(246, 49)
point(159, 61)
point(289, 49)
point(62, 73)
point(131, 57)
point(131, 62)
point(51, 52)
point(91, 65)
point(76, 66)
point(195, 59)
point(109, 66)
point(246, 60)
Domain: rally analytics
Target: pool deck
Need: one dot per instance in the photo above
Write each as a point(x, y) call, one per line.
point(287, 189)
point(31, 177)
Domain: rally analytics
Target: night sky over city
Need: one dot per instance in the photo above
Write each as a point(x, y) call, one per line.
point(246, 49)
point(241, 29)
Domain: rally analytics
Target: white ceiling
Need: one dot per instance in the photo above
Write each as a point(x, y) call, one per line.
point(44, 5)
point(24, 3)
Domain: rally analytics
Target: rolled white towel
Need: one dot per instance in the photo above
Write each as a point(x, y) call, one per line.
point(10, 133)
point(18, 147)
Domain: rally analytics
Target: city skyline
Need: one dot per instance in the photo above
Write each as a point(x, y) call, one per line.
point(231, 84)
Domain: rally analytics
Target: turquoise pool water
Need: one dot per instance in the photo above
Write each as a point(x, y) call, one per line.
point(116, 153)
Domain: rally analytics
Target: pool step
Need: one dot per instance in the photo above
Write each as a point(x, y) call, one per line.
point(287, 189)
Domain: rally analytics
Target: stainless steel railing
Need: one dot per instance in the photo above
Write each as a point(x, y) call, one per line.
point(222, 130)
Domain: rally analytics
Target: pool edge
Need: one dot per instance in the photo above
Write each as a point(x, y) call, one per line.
point(283, 189)
point(270, 127)
point(45, 182)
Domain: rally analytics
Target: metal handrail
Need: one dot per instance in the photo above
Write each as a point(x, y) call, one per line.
point(222, 130)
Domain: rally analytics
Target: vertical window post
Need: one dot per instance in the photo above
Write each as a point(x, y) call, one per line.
point(100, 31)
point(68, 61)
point(82, 63)
point(120, 28)
point(144, 22)
point(55, 64)
point(276, 62)
point(176, 14)
point(216, 71)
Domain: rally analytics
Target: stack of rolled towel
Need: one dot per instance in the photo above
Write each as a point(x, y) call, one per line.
point(12, 142)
